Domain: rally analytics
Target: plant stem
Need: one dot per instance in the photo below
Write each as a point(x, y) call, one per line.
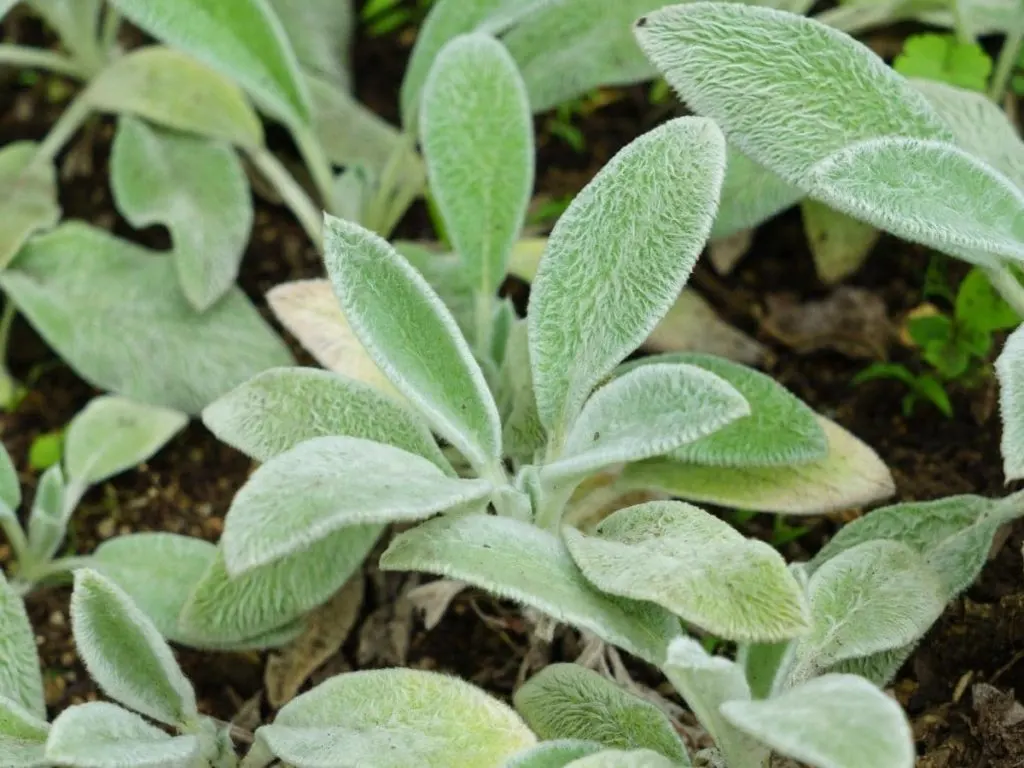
point(36, 58)
point(62, 131)
point(316, 161)
point(380, 215)
point(6, 323)
point(109, 30)
point(30, 576)
point(1007, 60)
point(1007, 286)
point(960, 25)
point(291, 192)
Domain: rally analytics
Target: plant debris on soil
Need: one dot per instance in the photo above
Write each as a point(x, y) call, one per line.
point(959, 686)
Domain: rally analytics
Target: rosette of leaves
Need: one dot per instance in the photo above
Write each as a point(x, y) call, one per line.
point(535, 414)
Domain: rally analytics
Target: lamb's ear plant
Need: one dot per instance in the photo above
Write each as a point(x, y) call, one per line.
point(110, 435)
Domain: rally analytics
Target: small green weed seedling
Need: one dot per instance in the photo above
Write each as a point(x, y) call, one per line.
point(110, 435)
point(946, 59)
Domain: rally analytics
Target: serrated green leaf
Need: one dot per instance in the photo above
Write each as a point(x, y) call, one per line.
point(1010, 372)
point(22, 735)
point(751, 194)
point(521, 562)
point(242, 39)
point(554, 754)
point(769, 78)
point(197, 188)
point(280, 408)
point(946, 59)
point(10, 486)
point(172, 89)
point(125, 653)
point(874, 597)
point(46, 450)
point(980, 307)
point(649, 411)
point(696, 566)
point(321, 34)
point(706, 683)
point(112, 434)
point(158, 572)
point(225, 611)
point(835, 721)
point(48, 520)
point(851, 475)
point(928, 192)
point(839, 243)
point(101, 735)
point(779, 430)
point(329, 483)
point(567, 701)
point(20, 678)
point(413, 339)
point(395, 718)
point(628, 240)
point(167, 354)
point(28, 198)
point(617, 758)
point(477, 135)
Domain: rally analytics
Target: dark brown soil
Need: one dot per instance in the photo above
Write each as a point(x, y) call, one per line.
point(188, 486)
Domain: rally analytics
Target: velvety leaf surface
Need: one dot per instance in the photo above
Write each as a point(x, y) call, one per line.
point(554, 754)
point(1010, 371)
point(617, 758)
point(320, 33)
point(20, 678)
point(166, 354)
point(521, 562)
point(195, 187)
point(28, 198)
point(751, 194)
point(22, 735)
point(696, 566)
point(48, 518)
point(629, 241)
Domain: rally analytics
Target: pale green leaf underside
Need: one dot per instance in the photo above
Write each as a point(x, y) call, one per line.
point(567, 701)
point(20, 678)
point(280, 408)
point(101, 735)
point(693, 564)
point(113, 434)
point(519, 561)
point(840, 244)
point(617, 259)
point(1010, 371)
point(125, 653)
point(851, 475)
point(395, 718)
point(320, 33)
point(835, 721)
point(751, 194)
point(477, 135)
point(329, 483)
point(647, 412)
point(242, 39)
point(10, 485)
point(224, 611)
point(779, 430)
point(788, 91)
point(413, 339)
point(194, 186)
point(447, 276)
point(874, 597)
point(174, 90)
point(28, 197)
point(554, 754)
point(166, 354)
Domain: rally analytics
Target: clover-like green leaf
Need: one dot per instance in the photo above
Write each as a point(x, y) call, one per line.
point(28, 200)
point(554, 754)
point(413, 339)
point(223, 611)
point(280, 408)
point(393, 718)
point(172, 89)
point(22, 735)
point(567, 701)
point(629, 241)
point(477, 134)
point(851, 475)
point(649, 411)
point(839, 243)
point(125, 653)
point(328, 483)
point(751, 194)
point(112, 434)
point(20, 679)
point(700, 568)
point(320, 33)
point(521, 562)
point(167, 354)
point(787, 90)
point(194, 186)
point(946, 59)
point(242, 39)
point(873, 597)
point(101, 735)
point(779, 430)
point(835, 721)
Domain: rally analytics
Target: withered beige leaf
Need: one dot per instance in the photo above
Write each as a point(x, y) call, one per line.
point(839, 243)
point(726, 252)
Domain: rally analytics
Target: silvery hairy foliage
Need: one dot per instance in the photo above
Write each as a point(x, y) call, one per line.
point(110, 435)
point(929, 163)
